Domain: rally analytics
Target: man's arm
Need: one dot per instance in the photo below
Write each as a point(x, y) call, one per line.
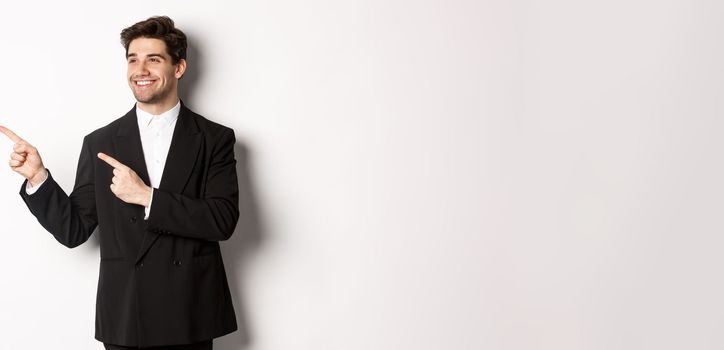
point(212, 217)
point(71, 219)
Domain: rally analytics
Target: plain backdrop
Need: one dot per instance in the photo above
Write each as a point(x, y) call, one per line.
point(424, 175)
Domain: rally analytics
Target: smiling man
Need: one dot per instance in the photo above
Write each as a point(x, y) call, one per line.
point(160, 185)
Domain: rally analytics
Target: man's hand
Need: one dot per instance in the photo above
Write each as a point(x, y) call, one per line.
point(25, 159)
point(126, 184)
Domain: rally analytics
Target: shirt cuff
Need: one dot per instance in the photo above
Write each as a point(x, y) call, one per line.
point(147, 209)
point(30, 189)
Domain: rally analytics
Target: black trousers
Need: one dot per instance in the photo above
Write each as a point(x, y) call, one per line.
point(204, 345)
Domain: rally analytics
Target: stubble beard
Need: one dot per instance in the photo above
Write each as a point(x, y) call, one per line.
point(153, 97)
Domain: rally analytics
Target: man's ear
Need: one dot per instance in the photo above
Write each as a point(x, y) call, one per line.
point(180, 68)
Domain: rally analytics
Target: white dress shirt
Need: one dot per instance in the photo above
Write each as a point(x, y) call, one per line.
point(156, 133)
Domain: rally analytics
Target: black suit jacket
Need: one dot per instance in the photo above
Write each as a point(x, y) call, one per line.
point(162, 280)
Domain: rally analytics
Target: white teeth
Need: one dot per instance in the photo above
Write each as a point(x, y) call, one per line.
point(145, 82)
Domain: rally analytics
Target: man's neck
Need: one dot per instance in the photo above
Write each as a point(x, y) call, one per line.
point(159, 107)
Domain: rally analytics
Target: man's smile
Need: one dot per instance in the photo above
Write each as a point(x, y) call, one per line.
point(143, 83)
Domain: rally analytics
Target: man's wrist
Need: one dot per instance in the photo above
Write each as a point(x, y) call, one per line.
point(38, 178)
point(146, 202)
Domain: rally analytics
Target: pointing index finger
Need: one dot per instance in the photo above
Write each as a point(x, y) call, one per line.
point(10, 134)
point(111, 161)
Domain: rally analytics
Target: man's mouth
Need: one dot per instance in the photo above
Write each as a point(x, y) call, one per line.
point(143, 83)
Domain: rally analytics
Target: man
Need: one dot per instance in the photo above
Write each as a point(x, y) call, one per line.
point(160, 184)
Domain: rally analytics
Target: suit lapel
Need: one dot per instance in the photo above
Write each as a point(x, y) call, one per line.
point(129, 150)
point(181, 159)
point(182, 154)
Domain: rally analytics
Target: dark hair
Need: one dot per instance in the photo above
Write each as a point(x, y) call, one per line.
point(158, 27)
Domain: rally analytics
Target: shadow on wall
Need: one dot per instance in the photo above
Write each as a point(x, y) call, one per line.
point(191, 77)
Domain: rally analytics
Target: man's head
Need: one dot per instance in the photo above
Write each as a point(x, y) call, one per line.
point(156, 56)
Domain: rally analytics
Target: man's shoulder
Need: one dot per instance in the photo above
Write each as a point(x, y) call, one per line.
point(207, 126)
point(109, 130)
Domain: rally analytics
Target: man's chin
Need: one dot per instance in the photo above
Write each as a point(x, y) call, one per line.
point(146, 99)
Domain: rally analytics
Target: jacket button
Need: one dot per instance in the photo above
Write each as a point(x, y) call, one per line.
point(177, 262)
point(139, 265)
point(133, 220)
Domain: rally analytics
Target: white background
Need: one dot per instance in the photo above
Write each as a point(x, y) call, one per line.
point(419, 175)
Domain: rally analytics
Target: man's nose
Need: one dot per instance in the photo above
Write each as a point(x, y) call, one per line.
point(142, 68)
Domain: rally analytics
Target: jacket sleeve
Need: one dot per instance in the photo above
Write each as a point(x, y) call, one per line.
point(211, 217)
point(71, 219)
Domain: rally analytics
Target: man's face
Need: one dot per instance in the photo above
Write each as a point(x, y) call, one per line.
point(152, 76)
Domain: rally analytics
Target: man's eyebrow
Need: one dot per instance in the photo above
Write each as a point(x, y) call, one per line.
point(149, 55)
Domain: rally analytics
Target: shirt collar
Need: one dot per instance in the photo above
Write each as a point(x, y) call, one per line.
point(166, 118)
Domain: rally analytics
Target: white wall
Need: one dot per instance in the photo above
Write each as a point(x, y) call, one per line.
point(420, 174)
